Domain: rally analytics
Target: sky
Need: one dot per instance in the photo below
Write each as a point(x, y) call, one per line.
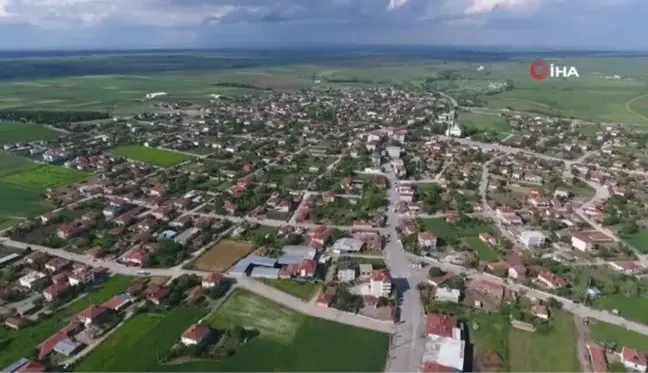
point(125, 24)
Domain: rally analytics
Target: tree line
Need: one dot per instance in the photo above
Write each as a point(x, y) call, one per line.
point(50, 116)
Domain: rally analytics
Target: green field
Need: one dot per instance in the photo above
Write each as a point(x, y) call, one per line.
point(554, 351)
point(23, 185)
point(158, 157)
point(633, 308)
point(12, 132)
point(22, 343)
point(303, 291)
point(139, 343)
point(604, 332)
point(638, 240)
point(288, 341)
point(484, 122)
point(449, 232)
point(492, 335)
point(483, 251)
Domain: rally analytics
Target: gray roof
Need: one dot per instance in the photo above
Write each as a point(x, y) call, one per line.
point(67, 346)
point(348, 244)
point(265, 272)
point(289, 259)
point(304, 251)
point(9, 258)
point(263, 261)
point(16, 365)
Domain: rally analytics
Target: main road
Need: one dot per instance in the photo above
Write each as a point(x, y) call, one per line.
point(408, 340)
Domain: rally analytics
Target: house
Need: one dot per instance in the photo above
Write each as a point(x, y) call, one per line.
point(158, 294)
point(365, 271)
point(550, 280)
point(48, 218)
point(325, 298)
point(56, 265)
point(307, 268)
point(380, 284)
point(346, 275)
point(588, 241)
point(117, 303)
point(427, 240)
point(628, 268)
point(435, 368)
point(93, 315)
point(540, 311)
point(55, 290)
point(444, 344)
point(195, 335)
point(345, 245)
point(32, 367)
point(16, 322)
point(33, 279)
point(597, 358)
point(634, 359)
point(211, 280)
point(517, 272)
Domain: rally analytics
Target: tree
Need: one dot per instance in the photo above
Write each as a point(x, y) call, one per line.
point(554, 303)
point(436, 272)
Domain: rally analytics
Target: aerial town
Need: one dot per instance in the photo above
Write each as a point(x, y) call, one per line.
point(246, 227)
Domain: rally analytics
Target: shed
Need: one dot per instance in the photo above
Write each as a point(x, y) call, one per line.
point(265, 272)
point(67, 347)
point(16, 365)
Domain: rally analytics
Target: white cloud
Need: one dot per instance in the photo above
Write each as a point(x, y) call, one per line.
point(395, 4)
point(487, 6)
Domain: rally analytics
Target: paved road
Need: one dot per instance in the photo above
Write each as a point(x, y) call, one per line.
point(406, 352)
point(249, 284)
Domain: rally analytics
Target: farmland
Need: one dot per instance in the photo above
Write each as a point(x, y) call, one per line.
point(553, 351)
point(153, 156)
point(137, 345)
point(44, 176)
point(14, 132)
point(633, 308)
point(639, 240)
point(484, 122)
point(25, 340)
point(222, 256)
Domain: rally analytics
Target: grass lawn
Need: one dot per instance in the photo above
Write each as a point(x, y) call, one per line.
point(23, 342)
point(554, 351)
point(484, 122)
point(44, 176)
point(301, 290)
point(158, 157)
point(15, 131)
point(446, 231)
point(638, 240)
point(484, 252)
point(492, 336)
point(139, 343)
point(630, 307)
point(604, 332)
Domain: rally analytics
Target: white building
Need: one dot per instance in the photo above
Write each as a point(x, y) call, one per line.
point(444, 294)
point(455, 130)
point(344, 245)
point(444, 345)
point(531, 239)
point(634, 359)
point(380, 284)
point(32, 279)
point(394, 151)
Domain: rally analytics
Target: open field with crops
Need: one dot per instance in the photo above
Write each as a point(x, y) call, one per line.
point(158, 157)
point(14, 132)
point(222, 256)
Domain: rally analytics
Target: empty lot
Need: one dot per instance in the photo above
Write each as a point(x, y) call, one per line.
point(222, 256)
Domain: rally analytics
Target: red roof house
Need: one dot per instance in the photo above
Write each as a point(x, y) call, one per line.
point(195, 335)
point(441, 325)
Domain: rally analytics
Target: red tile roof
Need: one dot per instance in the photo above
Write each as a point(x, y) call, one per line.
point(440, 325)
point(435, 368)
point(32, 367)
point(634, 356)
point(115, 302)
point(47, 346)
point(597, 356)
point(196, 332)
point(382, 275)
point(92, 312)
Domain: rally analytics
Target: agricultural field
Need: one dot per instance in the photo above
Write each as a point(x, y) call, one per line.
point(222, 256)
point(44, 176)
point(138, 344)
point(484, 122)
point(638, 240)
point(447, 232)
point(158, 157)
point(302, 290)
point(483, 251)
point(554, 351)
point(608, 333)
point(491, 340)
point(15, 132)
point(21, 342)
